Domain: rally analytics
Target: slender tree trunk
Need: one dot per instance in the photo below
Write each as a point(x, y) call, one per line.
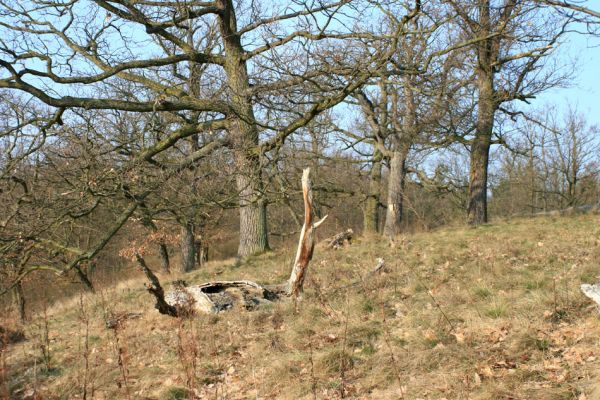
point(371, 213)
point(20, 300)
point(201, 251)
point(531, 168)
point(163, 253)
point(480, 151)
point(253, 206)
point(574, 156)
point(188, 248)
point(84, 279)
point(395, 194)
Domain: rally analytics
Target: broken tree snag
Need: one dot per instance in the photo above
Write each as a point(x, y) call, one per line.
point(214, 297)
point(306, 244)
point(339, 240)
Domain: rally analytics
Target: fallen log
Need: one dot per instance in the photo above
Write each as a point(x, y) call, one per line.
point(214, 297)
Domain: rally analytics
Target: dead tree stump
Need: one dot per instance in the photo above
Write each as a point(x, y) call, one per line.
point(214, 297)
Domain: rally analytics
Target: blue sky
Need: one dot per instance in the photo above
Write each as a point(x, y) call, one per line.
point(585, 92)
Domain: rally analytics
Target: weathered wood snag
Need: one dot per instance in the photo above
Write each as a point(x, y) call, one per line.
point(213, 297)
point(306, 244)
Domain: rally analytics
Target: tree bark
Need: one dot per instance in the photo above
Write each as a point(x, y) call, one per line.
point(188, 248)
point(395, 195)
point(487, 54)
point(163, 253)
point(20, 299)
point(371, 212)
point(201, 251)
point(480, 150)
point(253, 215)
point(253, 207)
point(84, 279)
point(405, 134)
point(156, 290)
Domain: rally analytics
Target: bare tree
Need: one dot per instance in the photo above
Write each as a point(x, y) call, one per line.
point(238, 54)
point(513, 38)
point(403, 106)
point(573, 153)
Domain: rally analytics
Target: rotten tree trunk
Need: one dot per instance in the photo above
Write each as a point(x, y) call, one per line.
point(306, 243)
point(339, 240)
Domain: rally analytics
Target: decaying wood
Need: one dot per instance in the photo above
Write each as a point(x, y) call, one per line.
point(339, 240)
point(214, 297)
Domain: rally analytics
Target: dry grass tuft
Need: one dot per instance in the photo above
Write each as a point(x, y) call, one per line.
point(491, 312)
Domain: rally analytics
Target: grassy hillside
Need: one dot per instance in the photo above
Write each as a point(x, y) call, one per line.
point(492, 312)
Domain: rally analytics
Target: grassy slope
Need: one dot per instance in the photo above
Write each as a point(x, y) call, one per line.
point(492, 312)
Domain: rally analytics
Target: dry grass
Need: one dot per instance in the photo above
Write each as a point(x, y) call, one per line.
point(493, 312)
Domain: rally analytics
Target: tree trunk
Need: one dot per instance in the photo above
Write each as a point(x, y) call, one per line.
point(487, 54)
point(480, 151)
point(253, 216)
point(244, 132)
point(371, 213)
point(20, 300)
point(405, 135)
point(201, 251)
point(163, 253)
point(84, 279)
point(395, 195)
point(188, 248)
